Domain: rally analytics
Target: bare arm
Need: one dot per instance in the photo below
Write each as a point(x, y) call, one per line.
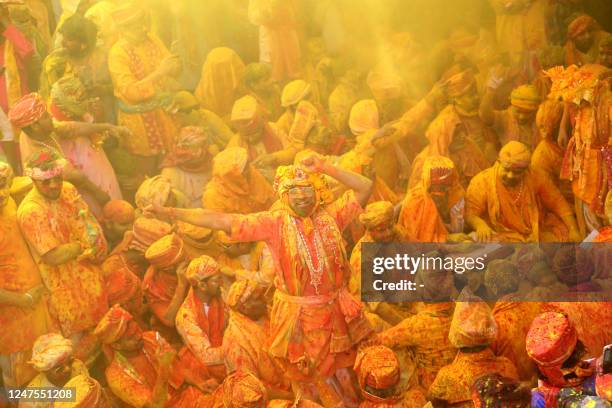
point(178, 297)
point(62, 254)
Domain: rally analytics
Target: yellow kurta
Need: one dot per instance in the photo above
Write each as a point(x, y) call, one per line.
point(153, 129)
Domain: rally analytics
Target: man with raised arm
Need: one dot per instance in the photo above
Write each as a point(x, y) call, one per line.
point(315, 322)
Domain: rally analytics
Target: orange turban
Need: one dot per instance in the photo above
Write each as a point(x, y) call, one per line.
point(459, 84)
point(364, 117)
point(88, 393)
point(118, 211)
point(294, 92)
point(27, 110)
point(525, 97)
point(579, 25)
point(166, 251)
point(113, 325)
point(243, 390)
point(473, 323)
point(245, 109)
point(376, 213)
point(146, 231)
point(49, 351)
point(201, 268)
point(240, 292)
point(377, 367)
point(551, 339)
point(515, 154)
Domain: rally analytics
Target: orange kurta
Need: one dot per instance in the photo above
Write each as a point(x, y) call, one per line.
point(454, 382)
point(78, 296)
point(427, 334)
point(489, 199)
point(313, 316)
point(153, 129)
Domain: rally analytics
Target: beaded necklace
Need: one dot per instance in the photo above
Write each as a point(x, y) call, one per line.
point(316, 273)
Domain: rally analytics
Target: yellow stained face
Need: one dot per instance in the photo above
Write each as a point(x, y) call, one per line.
point(469, 102)
point(51, 188)
point(302, 200)
point(511, 175)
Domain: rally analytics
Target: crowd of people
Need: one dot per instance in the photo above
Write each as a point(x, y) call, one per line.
point(168, 241)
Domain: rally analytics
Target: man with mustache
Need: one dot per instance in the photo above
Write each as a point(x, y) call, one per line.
point(505, 202)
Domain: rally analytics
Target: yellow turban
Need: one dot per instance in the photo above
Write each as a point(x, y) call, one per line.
point(473, 323)
point(243, 390)
point(294, 92)
point(385, 84)
point(288, 177)
point(230, 162)
point(240, 292)
point(364, 117)
point(166, 251)
point(113, 325)
point(49, 351)
point(515, 154)
point(201, 268)
point(525, 97)
point(153, 190)
point(244, 109)
point(376, 213)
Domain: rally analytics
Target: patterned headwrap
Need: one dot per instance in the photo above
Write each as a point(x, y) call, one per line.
point(377, 367)
point(438, 170)
point(364, 117)
point(67, 95)
point(288, 177)
point(119, 211)
point(44, 165)
point(240, 292)
point(166, 252)
point(515, 155)
point(49, 351)
point(525, 97)
point(243, 390)
point(473, 323)
point(294, 92)
point(113, 325)
point(88, 393)
point(495, 391)
point(201, 268)
point(385, 84)
point(27, 110)
point(376, 213)
point(230, 162)
point(459, 84)
point(572, 265)
point(579, 25)
point(191, 145)
point(501, 277)
point(551, 339)
point(153, 190)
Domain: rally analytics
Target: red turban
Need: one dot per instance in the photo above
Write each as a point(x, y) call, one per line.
point(27, 110)
point(119, 211)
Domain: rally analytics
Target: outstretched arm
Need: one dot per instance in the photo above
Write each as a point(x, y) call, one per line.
point(196, 216)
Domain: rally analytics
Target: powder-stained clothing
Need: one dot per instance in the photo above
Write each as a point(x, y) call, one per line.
point(454, 382)
point(78, 296)
point(427, 334)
